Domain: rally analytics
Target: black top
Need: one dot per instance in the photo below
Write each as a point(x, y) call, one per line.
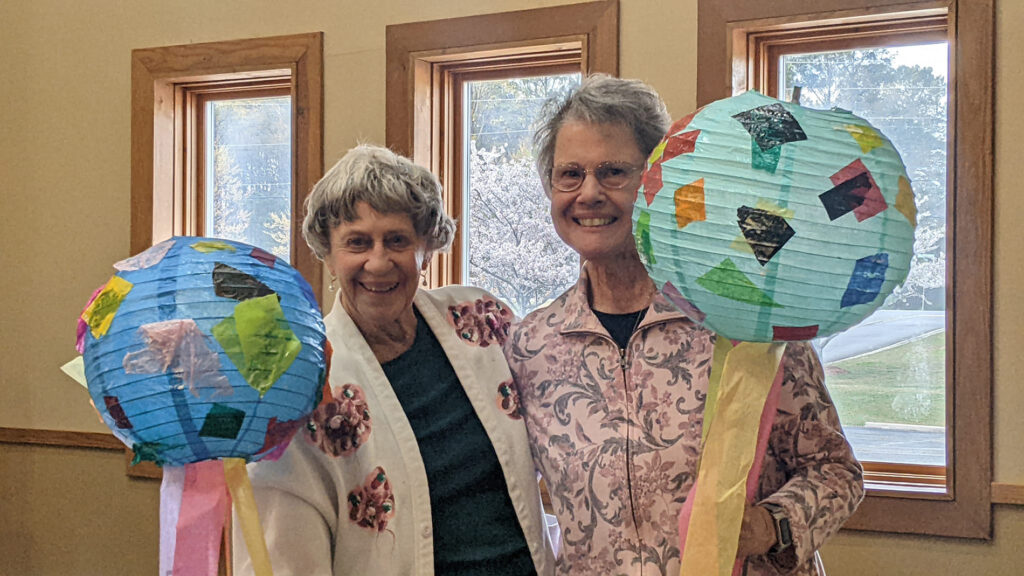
point(476, 530)
point(621, 326)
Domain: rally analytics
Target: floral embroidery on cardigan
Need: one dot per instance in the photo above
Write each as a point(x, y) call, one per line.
point(339, 426)
point(372, 504)
point(508, 399)
point(481, 322)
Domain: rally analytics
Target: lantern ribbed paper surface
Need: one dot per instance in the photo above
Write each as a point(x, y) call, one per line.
point(769, 221)
point(201, 348)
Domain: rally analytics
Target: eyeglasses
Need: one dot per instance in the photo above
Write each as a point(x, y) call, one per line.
point(612, 175)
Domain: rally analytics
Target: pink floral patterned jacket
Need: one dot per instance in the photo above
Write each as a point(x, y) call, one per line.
point(617, 439)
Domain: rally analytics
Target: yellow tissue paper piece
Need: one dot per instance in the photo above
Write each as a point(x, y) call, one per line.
point(76, 369)
point(773, 208)
point(866, 137)
point(740, 244)
point(690, 203)
point(722, 348)
point(657, 153)
point(101, 312)
point(905, 201)
point(207, 246)
point(237, 479)
point(747, 375)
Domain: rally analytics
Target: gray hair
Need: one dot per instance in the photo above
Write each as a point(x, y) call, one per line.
point(601, 99)
point(388, 183)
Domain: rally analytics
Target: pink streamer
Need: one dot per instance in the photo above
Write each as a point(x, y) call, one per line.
point(771, 406)
point(205, 503)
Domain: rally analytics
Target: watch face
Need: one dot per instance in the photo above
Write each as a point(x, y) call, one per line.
point(783, 532)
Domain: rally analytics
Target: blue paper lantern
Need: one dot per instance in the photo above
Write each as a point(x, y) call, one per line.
point(769, 221)
point(202, 348)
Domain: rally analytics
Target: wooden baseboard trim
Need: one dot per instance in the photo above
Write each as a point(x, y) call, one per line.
point(60, 438)
point(1006, 493)
point(1002, 492)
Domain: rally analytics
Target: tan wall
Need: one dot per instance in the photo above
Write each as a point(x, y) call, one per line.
point(64, 196)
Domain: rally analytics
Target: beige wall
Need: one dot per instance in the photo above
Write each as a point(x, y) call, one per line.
point(64, 195)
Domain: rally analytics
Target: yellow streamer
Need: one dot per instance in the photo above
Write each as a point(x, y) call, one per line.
point(720, 499)
point(722, 348)
point(245, 509)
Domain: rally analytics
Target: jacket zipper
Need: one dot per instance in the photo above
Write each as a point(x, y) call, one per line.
point(629, 460)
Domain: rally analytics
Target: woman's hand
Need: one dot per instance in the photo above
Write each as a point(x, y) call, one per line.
point(757, 534)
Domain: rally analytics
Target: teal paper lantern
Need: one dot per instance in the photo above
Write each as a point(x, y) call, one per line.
point(767, 221)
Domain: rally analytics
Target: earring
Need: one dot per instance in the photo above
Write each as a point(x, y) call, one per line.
point(423, 278)
point(331, 286)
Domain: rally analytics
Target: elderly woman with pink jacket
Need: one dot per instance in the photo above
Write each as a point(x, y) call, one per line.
point(612, 378)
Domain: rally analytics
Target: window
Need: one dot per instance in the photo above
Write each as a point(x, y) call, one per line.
point(461, 98)
point(227, 141)
point(915, 399)
point(511, 248)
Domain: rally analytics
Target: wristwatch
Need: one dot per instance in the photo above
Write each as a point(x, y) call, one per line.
point(783, 534)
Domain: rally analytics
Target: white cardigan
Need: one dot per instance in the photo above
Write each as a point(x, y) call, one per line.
point(303, 497)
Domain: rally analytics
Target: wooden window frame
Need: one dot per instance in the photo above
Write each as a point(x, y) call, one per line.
point(162, 196)
point(731, 32)
point(428, 62)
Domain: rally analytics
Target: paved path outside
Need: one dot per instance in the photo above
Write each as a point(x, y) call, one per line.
point(923, 445)
point(880, 330)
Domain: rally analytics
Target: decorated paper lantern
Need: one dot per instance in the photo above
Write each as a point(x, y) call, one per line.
point(200, 349)
point(201, 355)
point(766, 222)
point(769, 221)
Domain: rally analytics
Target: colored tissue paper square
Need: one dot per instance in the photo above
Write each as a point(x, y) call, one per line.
point(178, 347)
point(766, 233)
point(866, 280)
point(771, 126)
point(728, 281)
point(207, 246)
point(258, 341)
point(145, 259)
point(689, 201)
point(264, 256)
point(117, 412)
point(230, 282)
point(222, 422)
point(100, 313)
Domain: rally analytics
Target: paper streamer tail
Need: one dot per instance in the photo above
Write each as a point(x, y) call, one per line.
point(248, 518)
point(719, 514)
point(171, 488)
point(200, 527)
point(195, 503)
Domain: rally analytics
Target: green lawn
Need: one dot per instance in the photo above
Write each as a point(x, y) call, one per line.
point(903, 385)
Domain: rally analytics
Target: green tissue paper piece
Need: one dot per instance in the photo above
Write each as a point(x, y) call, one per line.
point(767, 160)
point(643, 238)
point(728, 281)
point(222, 422)
point(259, 341)
point(207, 246)
point(148, 452)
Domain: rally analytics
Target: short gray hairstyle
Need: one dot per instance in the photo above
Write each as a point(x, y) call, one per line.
point(601, 99)
point(388, 183)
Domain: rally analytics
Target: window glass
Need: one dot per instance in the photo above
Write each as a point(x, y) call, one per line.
point(512, 249)
point(887, 374)
point(248, 172)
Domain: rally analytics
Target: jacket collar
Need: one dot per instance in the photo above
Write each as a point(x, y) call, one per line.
point(580, 318)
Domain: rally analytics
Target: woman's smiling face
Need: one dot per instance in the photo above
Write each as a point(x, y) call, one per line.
point(593, 220)
point(376, 259)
